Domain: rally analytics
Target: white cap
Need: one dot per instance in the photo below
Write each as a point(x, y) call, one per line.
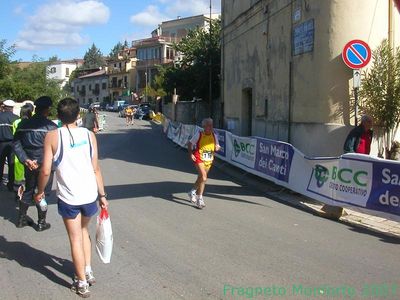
point(9, 103)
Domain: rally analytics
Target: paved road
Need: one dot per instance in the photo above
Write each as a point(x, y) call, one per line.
point(167, 249)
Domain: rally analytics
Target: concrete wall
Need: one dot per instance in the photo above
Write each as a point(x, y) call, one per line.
point(310, 91)
point(187, 112)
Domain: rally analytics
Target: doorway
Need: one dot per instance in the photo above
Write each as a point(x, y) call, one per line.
point(247, 112)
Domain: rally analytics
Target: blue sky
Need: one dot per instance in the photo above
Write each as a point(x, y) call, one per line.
point(67, 28)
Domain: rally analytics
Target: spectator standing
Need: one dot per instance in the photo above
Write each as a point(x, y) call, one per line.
point(7, 118)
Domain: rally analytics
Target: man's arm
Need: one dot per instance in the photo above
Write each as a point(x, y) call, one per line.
point(349, 143)
point(45, 170)
point(18, 149)
point(191, 143)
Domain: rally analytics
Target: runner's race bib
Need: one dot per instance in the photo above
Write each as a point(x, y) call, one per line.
point(207, 156)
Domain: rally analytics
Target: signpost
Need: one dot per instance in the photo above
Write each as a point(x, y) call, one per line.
point(356, 54)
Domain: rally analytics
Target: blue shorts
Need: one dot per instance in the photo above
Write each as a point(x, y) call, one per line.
point(68, 211)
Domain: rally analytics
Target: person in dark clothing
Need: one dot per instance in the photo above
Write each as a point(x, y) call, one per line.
point(28, 146)
point(7, 118)
point(90, 120)
point(360, 138)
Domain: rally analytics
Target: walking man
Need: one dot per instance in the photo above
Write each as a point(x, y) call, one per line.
point(201, 148)
point(28, 146)
point(90, 121)
point(7, 118)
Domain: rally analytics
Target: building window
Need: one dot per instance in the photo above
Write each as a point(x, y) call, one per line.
point(67, 72)
point(53, 70)
point(104, 85)
point(90, 87)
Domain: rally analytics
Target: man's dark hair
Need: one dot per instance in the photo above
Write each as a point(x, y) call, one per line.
point(26, 111)
point(40, 110)
point(68, 110)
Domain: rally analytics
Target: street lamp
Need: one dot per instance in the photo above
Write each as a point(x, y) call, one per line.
point(210, 62)
point(145, 89)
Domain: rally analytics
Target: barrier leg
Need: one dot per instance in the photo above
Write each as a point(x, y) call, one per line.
point(332, 212)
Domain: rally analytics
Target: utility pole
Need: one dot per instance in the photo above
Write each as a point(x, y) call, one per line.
point(390, 24)
point(210, 63)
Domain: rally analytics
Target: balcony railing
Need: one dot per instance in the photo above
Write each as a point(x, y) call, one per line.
point(153, 62)
point(153, 40)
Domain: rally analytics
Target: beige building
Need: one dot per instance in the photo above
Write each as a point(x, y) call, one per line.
point(90, 88)
point(121, 73)
point(283, 74)
point(158, 50)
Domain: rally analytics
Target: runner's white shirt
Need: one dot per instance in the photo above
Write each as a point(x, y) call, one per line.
point(76, 180)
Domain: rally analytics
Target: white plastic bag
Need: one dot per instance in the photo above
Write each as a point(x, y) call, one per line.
point(104, 236)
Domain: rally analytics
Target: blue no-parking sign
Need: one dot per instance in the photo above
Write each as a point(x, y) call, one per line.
point(356, 54)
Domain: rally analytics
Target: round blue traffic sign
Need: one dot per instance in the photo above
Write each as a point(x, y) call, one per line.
point(356, 54)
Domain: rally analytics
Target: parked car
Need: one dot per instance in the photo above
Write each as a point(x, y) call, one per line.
point(103, 106)
point(143, 112)
point(95, 105)
point(117, 105)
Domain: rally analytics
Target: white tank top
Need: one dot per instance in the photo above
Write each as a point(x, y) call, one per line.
point(76, 181)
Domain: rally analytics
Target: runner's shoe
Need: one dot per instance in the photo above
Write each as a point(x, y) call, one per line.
point(81, 291)
point(200, 202)
point(192, 196)
point(90, 278)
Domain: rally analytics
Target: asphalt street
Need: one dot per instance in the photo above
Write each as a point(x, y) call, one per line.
point(166, 248)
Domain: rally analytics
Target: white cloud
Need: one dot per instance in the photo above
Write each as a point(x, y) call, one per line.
point(191, 7)
point(19, 9)
point(151, 16)
point(154, 15)
point(60, 24)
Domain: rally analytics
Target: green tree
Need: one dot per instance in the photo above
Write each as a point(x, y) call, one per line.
point(190, 77)
point(115, 50)
point(93, 58)
point(199, 48)
point(380, 94)
point(30, 82)
point(6, 52)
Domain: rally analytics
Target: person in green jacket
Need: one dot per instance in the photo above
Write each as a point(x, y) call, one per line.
point(19, 168)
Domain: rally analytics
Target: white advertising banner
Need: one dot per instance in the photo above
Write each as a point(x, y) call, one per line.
point(365, 183)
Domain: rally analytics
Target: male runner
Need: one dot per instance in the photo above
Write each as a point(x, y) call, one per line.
point(201, 150)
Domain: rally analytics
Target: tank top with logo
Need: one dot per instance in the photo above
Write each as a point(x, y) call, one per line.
point(76, 180)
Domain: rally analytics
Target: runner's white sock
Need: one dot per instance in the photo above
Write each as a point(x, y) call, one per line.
point(82, 283)
point(88, 269)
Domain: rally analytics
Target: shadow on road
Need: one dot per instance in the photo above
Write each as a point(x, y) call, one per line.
point(166, 190)
point(37, 260)
point(9, 206)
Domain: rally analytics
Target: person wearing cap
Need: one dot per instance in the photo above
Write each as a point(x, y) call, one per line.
point(28, 146)
point(7, 118)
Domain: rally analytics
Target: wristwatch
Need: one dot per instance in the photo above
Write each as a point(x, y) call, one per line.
point(103, 196)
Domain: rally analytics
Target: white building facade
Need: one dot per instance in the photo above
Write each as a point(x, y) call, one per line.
point(62, 70)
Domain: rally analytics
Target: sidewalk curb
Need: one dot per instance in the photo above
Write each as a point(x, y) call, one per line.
point(284, 195)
